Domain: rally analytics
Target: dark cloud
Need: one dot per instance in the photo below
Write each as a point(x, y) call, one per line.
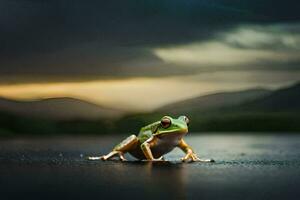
point(113, 38)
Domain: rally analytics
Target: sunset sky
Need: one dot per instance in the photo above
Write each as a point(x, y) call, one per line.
point(139, 55)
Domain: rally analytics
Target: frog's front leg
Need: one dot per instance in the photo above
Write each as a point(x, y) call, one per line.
point(190, 155)
point(146, 148)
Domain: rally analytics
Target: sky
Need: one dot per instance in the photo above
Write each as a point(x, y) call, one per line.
point(139, 55)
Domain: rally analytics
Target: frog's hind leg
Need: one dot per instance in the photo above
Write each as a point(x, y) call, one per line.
point(126, 145)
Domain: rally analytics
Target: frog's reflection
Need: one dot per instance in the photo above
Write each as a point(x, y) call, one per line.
point(152, 179)
point(167, 179)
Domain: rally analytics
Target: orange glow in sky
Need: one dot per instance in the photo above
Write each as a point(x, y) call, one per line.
point(144, 94)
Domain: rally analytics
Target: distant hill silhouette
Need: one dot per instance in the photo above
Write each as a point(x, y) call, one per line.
point(284, 100)
point(213, 101)
point(58, 109)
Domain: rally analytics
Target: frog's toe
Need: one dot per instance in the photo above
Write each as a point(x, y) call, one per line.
point(184, 159)
point(192, 157)
point(93, 158)
point(122, 158)
point(104, 158)
point(195, 159)
point(157, 160)
point(161, 158)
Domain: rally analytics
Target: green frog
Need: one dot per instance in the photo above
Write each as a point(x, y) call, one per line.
point(156, 140)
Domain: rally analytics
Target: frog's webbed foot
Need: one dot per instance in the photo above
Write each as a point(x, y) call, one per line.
point(192, 157)
point(156, 159)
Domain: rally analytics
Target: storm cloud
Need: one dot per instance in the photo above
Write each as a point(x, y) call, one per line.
point(134, 38)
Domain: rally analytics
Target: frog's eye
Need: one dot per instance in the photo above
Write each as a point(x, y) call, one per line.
point(187, 121)
point(165, 122)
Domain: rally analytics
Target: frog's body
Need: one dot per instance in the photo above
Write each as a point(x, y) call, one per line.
point(155, 140)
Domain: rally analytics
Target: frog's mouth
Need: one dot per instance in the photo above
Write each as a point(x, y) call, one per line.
point(178, 132)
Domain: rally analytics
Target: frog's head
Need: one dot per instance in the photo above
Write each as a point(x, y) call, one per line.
point(169, 125)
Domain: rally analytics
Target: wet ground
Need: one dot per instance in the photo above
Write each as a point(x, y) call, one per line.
point(247, 167)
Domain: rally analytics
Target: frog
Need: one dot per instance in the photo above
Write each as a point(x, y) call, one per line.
point(155, 140)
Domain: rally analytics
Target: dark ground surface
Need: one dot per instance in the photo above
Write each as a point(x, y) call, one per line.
point(247, 167)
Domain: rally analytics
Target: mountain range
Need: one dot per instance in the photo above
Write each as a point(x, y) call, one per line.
point(285, 99)
point(214, 101)
point(248, 110)
point(58, 109)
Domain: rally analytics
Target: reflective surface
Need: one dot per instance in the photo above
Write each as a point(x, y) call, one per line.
point(247, 166)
